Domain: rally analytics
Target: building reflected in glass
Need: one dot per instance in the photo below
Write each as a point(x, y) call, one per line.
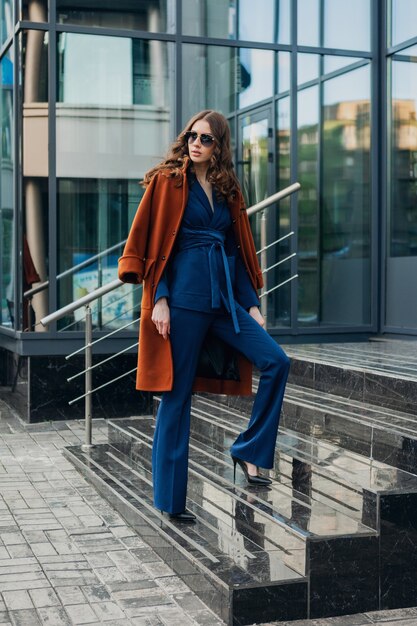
point(93, 92)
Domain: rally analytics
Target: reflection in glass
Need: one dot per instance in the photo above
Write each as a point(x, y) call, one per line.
point(94, 215)
point(347, 24)
point(35, 163)
point(254, 177)
point(148, 15)
point(9, 308)
point(209, 79)
point(284, 22)
point(346, 200)
point(6, 24)
point(281, 298)
point(403, 223)
point(34, 10)
point(284, 71)
point(308, 208)
point(209, 18)
point(269, 22)
point(114, 120)
point(308, 23)
point(411, 51)
point(308, 67)
point(402, 214)
point(333, 62)
point(256, 73)
point(403, 20)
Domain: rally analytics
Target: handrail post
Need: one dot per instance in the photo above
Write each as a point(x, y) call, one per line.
point(264, 265)
point(88, 377)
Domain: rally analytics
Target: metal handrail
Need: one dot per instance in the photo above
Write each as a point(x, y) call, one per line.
point(280, 195)
point(101, 291)
point(75, 268)
point(97, 293)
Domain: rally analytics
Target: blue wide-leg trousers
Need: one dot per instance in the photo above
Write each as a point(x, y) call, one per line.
point(257, 443)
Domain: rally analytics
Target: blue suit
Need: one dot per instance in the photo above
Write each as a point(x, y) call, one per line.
point(208, 289)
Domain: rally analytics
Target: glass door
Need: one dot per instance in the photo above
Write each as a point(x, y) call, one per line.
point(256, 171)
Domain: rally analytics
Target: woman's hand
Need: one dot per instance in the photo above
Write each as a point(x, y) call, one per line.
point(161, 317)
point(257, 316)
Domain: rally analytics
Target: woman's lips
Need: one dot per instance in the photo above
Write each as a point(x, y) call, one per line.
point(195, 153)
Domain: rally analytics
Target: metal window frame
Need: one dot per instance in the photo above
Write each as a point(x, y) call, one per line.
point(377, 55)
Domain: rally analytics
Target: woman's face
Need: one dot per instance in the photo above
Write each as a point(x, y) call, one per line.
point(200, 153)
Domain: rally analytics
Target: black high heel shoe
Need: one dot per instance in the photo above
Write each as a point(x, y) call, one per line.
point(252, 480)
point(184, 516)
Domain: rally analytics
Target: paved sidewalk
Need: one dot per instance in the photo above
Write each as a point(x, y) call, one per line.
point(68, 558)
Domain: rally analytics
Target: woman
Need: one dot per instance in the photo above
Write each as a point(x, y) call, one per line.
point(191, 244)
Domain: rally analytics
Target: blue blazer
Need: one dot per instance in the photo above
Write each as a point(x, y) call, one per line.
point(206, 272)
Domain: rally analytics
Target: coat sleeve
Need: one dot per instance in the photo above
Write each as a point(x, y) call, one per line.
point(132, 263)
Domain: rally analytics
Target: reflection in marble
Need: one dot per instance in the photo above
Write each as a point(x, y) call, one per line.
point(336, 532)
point(192, 551)
point(49, 391)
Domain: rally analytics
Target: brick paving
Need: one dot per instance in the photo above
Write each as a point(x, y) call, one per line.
point(67, 557)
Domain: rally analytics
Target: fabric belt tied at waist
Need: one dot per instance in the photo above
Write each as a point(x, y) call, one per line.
point(195, 238)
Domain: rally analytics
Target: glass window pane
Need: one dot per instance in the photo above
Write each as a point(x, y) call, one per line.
point(209, 18)
point(9, 307)
point(256, 73)
point(308, 33)
point(269, 22)
point(34, 11)
point(346, 204)
point(284, 22)
point(7, 21)
point(403, 20)
point(209, 79)
point(34, 76)
point(403, 223)
point(284, 71)
point(347, 24)
point(308, 67)
point(114, 120)
point(281, 298)
point(308, 208)
point(333, 63)
point(156, 16)
point(401, 295)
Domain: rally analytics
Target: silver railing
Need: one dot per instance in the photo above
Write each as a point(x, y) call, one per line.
point(86, 300)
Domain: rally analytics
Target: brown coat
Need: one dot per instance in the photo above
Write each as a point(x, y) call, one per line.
point(146, 253)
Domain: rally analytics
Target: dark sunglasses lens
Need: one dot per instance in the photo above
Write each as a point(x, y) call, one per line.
point(206, 140)
point(191, 136)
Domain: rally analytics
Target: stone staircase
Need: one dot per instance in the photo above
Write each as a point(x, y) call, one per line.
point(335, 534)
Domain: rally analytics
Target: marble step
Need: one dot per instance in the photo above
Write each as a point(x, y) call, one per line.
point(382, 496)
point(378, 433)
point(333, 550)
point(380, 373)
point(227, 558)
point(313, 469)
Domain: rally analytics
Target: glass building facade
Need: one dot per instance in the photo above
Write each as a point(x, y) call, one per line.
point(322, 92)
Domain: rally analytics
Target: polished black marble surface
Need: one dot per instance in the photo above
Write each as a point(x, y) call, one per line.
point(365, 372)
point(49, 392)
point(398, 551)
point(226, 579)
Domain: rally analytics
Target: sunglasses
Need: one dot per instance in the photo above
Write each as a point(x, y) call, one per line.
point(205, 139)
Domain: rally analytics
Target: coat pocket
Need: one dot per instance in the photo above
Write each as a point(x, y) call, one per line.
point(149, 265)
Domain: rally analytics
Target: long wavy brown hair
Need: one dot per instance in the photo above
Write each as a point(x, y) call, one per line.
point(220, 173)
